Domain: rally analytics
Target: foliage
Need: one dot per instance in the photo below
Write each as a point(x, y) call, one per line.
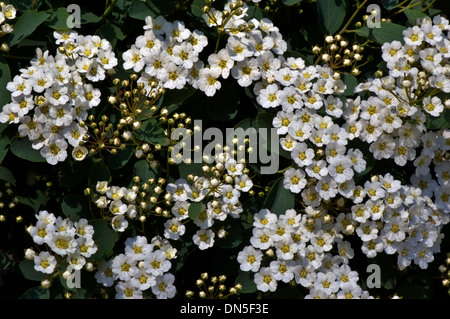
point(128, 147)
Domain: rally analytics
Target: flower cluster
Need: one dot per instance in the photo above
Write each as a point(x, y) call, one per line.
point(167, 53)
point(298, 248)
point(8, 12)
point(393, 118)
point(143, 265)
point(54, 94)
point(216, 196)
point(118, 202)
point(70, 242)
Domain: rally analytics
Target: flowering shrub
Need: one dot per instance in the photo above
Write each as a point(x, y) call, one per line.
point(112, 191)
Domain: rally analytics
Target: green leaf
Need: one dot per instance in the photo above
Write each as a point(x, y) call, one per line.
point(58, 18)
point(177, 97)
point(7, 176)
point(140, 10)
point(389, 4)
point(119, 160)
point(224, 105)
point(143, 170)
point(331, 15)
point(151, 132)
point(110, 32)
point(37, 292)
point(5, 77)
point(196, 7)
point(28, 271)
point(21, 147)
point(4, 146)
point(234, 234)
point(414, 14)
point(75, 206)
point(26, 24)
point(245, 278)
point(388, 32)
point(5, 261)
point(440, 122)
point(291, 2)
point(38, 200)
point(416, 287)
point(99, 172)
point(104, 237)
point(351, 82)
point(264, 120)
point(279, 198)
point(194, 209)
point(88, 17)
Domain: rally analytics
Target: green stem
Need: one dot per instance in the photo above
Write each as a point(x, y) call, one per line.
point(353, 17)
point(428, 6)
point(108, 10)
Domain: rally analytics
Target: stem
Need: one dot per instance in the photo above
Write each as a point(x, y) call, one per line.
point(353, 17)
point(428, 6)
point(108, 10)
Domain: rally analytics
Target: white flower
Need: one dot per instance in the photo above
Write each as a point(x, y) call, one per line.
point(133, 59)
point(104, 274)
point(204, 238)
point(173, 229)
point(124, 266)
point(173, 76)
point(433, 105)
point(294, 180)
point(176, 31)
point(126, 290)
point(156, 263)
point(245, 72)
point(327, 282)
point(119, 223)
point(45, 262)
point(62, 244)
point(264, 280)
point(250, 259)
point(164, 288)
point(208, 81)
point(270, 96)
point(264, 219)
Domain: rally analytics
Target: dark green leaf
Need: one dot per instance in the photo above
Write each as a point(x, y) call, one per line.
point(389, 4)
point(151, 132)
point(175, 97)
point(351, 82)
point(140, 10)
point(224, 105)
point(7, 176)
point(440, 122)
point(37, 201)
point(388, 32)
point(104, 237)
point(245, 278)
point(28, 271)
point(194, 209)
point(119, 160)
point(143, 170)
point(88, 17)
point(4, 146)
point(413, 15)
point(99, 172)
point(291, 2)
point(5, 77)
point(58, 18)
point(264, 121)
point(196, 7)
point(193, 168)
point(5, 261)
point(75, 206)
point(331, 15)
point(234, 235)
point(279, 198)
point(416, 287)
point(37, 292)
point(21, 147)
point(26, 24)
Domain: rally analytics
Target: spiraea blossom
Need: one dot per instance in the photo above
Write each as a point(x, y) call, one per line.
point(53, 95)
